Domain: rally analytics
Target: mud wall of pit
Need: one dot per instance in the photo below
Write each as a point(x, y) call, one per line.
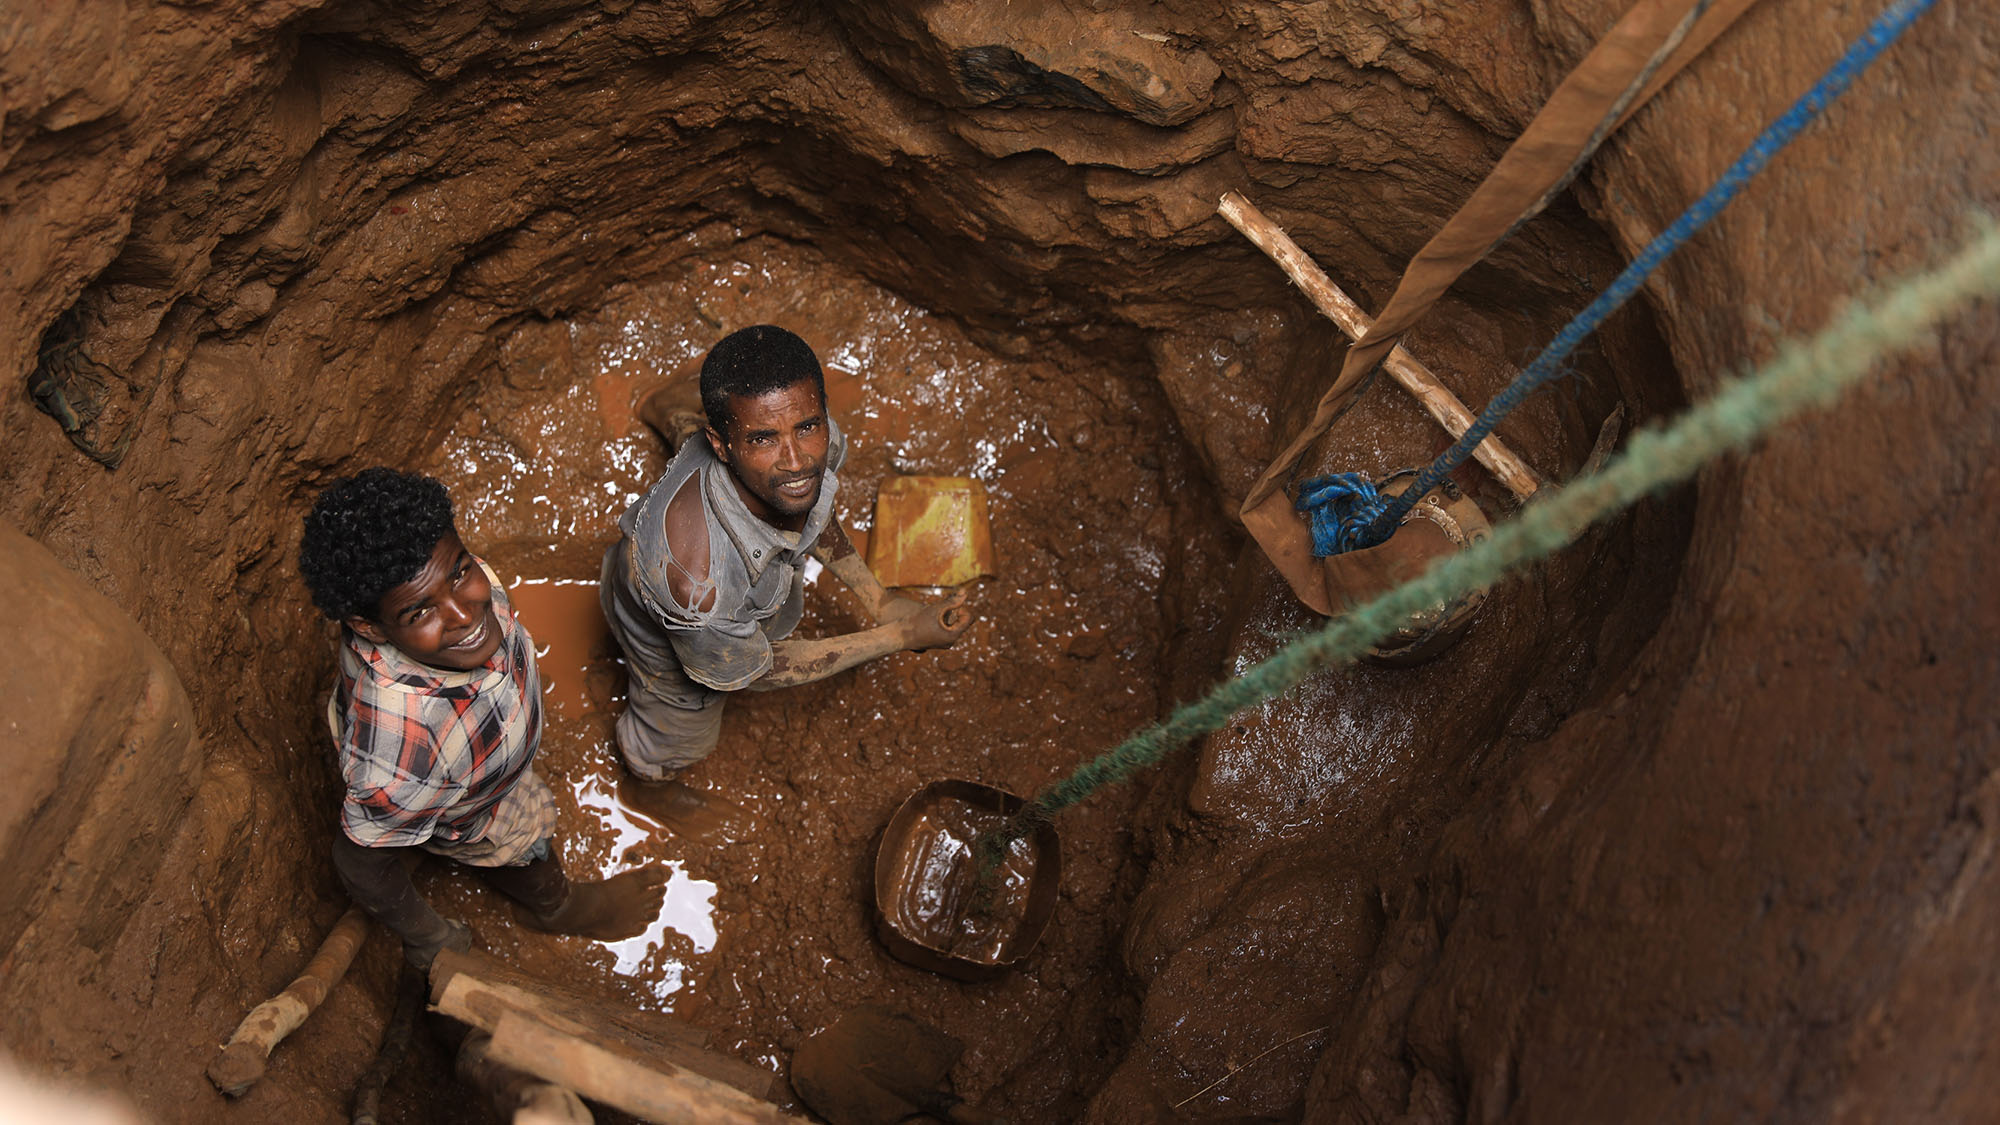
point(1737, 863)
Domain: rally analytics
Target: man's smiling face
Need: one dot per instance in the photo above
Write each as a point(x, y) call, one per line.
point(775, 447)
point(443, 617)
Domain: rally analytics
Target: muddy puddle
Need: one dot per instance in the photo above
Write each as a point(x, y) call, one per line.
point(769, 938)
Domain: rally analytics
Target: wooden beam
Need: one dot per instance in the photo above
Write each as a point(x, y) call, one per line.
point(1432, 394)
point(242, 1060)
point(516, 1095)
point(479, 991)
point(659, 1091)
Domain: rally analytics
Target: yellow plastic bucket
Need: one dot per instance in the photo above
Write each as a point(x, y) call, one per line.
point(930, 531)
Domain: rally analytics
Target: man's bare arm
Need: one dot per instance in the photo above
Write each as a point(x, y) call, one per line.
point(836, 552)
point(802, 662)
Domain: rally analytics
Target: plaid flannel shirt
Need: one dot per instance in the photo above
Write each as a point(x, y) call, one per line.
point(429, 755)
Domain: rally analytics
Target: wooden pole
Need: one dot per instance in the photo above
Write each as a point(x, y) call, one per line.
point(516, 1095)
point(241, 1061)
point(657, 1091)
point(472, 989)
point(578, 1045)
point(1414, 377)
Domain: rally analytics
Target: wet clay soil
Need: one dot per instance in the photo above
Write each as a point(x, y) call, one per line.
point(768, 938)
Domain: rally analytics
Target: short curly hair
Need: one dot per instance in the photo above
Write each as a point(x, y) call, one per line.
point(368, 534)
point(753, 362)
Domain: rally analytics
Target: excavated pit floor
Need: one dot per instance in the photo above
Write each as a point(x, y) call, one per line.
point(1105, 534)
point(767, 939)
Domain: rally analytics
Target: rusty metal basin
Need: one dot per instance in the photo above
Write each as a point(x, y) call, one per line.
point(1431, 631)
point(928, 906)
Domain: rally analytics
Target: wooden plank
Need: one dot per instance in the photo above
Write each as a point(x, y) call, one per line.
point(657, 1091)
point(1436, 399)
point(516, 1094)
point(508, 981)
point(464, 988)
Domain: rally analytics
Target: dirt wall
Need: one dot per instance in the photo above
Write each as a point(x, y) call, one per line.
point(1676, 836)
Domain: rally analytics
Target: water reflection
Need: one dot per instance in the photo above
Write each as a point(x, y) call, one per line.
point(688, 911)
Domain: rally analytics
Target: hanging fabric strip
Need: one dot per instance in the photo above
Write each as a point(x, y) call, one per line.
point(1654, 40)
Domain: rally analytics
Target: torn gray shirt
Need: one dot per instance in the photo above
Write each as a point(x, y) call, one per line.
point(684, 656)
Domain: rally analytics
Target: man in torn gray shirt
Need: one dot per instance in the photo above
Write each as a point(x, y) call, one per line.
point(707, 582)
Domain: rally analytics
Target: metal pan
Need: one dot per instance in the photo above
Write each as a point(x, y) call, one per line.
point(928, 907)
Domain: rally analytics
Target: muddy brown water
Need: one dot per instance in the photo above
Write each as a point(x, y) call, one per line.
point(768, 938)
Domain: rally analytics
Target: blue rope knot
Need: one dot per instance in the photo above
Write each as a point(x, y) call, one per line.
point(1342, 506)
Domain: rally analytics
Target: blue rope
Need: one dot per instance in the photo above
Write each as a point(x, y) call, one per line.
point(1340, 506)
point(1375, 518)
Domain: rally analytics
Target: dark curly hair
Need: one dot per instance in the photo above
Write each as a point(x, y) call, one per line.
point(752, 362)
point(368, 534)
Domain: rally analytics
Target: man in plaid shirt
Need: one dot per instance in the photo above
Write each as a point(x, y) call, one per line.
point(436, 715)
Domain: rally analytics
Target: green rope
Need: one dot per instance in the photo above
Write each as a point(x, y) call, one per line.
point(1804, 374)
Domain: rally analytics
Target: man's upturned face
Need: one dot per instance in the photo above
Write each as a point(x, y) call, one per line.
point(443, 617)
point(776, 450)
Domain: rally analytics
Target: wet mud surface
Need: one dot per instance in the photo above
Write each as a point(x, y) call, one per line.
point(768, 938)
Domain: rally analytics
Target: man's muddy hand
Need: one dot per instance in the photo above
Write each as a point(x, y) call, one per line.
point(938, 624)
